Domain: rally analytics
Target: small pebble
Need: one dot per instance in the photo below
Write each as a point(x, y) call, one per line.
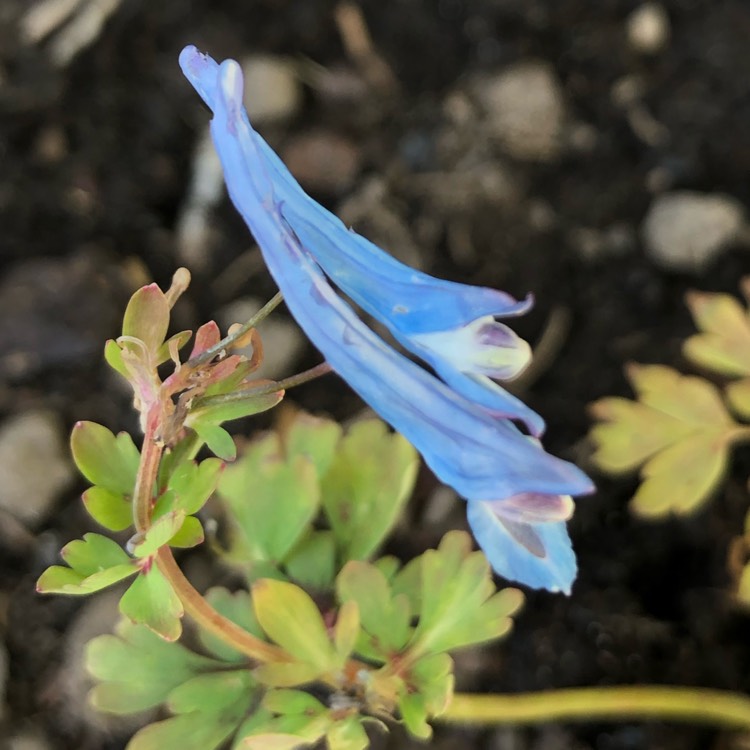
point(648, 28)
point(29, 739)
point(323, 161)
point(525, 110)
point(685, 231)
point(272, 89)
point(34, 466)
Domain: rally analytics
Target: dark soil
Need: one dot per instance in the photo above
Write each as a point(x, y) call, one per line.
point(96, 160)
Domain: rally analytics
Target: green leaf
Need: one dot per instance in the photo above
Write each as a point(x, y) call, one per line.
point(682, 477)
point(385, 619)
point(107, 508)
point(60, 580)
point(185, 732)
point(312, 437)
point(113, 357)
point(175, 342)
point(286, 674)
point(312, 562)
point(292, 702)
point(159, 533)
point(216, 438)
point(366, 486)
point(738, 397)
point(348, 734)
point(147, 317)
point(209, 709)
point(346, 631)
point(679, 428)
point(137, 670)
point(290, 618)
point(152, 602)
point(193, 484)
point(432, 677)
point(724, 342)
point(190, 534)
point(93, 553)
point(95, 563)
point(414, 715)
point(272, 501)
point(236, 607)
point(388, 566)
point(274, 742)
point(212, 693)
point(239, 406)
point(104, 459)
point(286, 726)
point(458, 605)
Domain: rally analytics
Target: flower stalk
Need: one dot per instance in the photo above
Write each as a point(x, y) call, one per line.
point(640, 702)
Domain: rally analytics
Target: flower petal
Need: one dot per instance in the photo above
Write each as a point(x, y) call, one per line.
point(466, 448)
point(533, 507)
point(539, 555)
point(449, 325)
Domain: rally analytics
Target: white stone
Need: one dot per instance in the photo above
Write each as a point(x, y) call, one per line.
point(272, 89)
point(685, 231)
point(34, 465)
point(29, 739)
point(526, 110)
point(648, 28)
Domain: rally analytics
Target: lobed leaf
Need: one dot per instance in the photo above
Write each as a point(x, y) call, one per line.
point(95, 561)
point(724, 342)
point(291, 619)
point(738, 397)
point(312, 561)
point(105, 459)
point(147, 317)
point(192, 484)
point(190, 534)
point(60, 580)
point(272, 500)
point(312, 437)
point(368, 482)
point(152, 602)
point(385, 618)
point(216, 438)
point(209, 710)
point(236, 607)
point(459, 603)
point(680, 431)
point(159, 533)
point(136, 669)
point(109, 509)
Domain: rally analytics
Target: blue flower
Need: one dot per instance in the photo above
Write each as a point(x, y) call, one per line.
point(517, 493)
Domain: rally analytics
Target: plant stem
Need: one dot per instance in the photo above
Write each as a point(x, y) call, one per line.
point(148, 471)
point(207, 618)
point(641, 702)
point(270, 387)
point(194, 604)
point(227, 341)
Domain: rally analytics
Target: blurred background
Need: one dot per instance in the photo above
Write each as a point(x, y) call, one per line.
point(594, 153)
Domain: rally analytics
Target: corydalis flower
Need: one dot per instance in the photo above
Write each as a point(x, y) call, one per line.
point(516, 492)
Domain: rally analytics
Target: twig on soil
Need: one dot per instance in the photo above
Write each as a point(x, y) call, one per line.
point(546, 350)
point(360, 48)
point(82, 22)
point(193, 231)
